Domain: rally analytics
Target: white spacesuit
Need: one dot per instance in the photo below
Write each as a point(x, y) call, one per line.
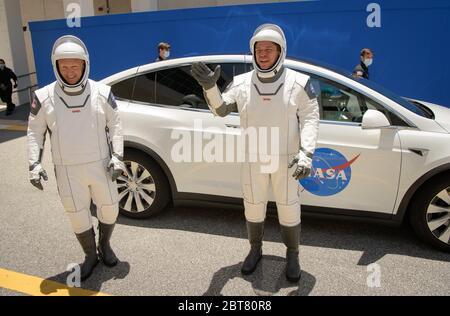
point(82, 121)
point(270, 98)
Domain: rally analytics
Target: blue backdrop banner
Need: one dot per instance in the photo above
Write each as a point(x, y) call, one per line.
point(410, 38)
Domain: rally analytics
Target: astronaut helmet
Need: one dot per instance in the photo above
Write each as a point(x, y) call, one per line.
point(70, 47)
point(272, 33)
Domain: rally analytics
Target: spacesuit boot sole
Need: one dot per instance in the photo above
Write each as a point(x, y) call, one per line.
point(294, 279)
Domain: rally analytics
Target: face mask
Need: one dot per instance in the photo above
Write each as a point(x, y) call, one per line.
point(368, 61)
point(166, 54)
point(2, 66)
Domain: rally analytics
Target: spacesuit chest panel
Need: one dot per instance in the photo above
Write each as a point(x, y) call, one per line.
point(75, 129)
point(270, 109)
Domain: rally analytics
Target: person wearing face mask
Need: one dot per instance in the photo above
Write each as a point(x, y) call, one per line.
point(85, 131)
point(362, 69)
point(163, 51)
point(275, 98)
point(6, 75)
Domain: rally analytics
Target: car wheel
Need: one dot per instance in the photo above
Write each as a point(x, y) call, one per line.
point(430, 213)
point(143, 188)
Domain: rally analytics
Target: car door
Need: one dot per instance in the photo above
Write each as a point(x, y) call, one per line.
point(186, 135)
point(353, 168)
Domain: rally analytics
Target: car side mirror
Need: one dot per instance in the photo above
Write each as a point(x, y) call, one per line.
point(374, 119)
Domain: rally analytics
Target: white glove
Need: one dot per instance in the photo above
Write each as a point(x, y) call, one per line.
point(303, 168)
point(204, 76)
point(35, 175)
point(115, 167)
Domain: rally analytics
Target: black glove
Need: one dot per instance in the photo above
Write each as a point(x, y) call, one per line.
point(115, 167)
point(15, 85)
point(302, 169)
point(35, 176)
point(204, 76)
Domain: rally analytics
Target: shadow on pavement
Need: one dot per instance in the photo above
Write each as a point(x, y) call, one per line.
point(20, 115)
point(373, 240)
point(267, 280)
point(6, 136)
point(94, 283)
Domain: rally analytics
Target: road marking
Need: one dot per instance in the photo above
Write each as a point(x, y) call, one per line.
point(15, 128)
point(36, 286)
point(13, 125)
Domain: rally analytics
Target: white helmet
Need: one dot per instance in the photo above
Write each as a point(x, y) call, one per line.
point(70, 47)
point(272, 33)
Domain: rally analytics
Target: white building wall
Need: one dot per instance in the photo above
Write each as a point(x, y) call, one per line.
point(86, 7)
point(144, 5)
point(13, 49)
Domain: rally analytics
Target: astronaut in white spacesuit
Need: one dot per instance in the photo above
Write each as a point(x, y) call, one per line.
point(82, 119)
point(270, 96)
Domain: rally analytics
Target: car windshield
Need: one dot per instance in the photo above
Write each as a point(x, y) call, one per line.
point(415, 107)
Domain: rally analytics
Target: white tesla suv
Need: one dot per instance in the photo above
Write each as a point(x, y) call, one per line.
point(379, 157)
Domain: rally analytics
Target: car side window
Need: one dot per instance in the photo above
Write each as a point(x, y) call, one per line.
point(340, 103)
point(228, 72)
point(124, 89)
point(337, 102)
point(177, 87)
point(226, 75)
point(393, 118)
point(145, 88)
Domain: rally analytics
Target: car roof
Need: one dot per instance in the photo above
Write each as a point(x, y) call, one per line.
point(308, 66)
point(290, 61)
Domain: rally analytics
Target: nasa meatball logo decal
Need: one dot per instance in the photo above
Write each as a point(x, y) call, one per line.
point(331, 172)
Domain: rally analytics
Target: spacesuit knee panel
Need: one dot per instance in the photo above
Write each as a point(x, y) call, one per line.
point(289, 215)
point(255, 213)
point(80, 220)
point(107, 214)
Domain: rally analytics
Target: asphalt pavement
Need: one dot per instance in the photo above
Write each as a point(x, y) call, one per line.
point(198, 251)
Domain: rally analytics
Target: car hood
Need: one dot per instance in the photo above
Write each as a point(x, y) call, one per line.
point(441, 113)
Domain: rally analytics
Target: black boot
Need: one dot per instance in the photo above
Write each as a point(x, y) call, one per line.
point(87, 242)
point(291, 238)
point(255, 236)
point(10, 108)
point(104, 249)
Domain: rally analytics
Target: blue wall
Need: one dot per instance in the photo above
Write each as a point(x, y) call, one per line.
point(411, 46)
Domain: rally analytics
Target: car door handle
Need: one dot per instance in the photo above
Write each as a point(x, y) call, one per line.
point(419, 151)
point(232, 126)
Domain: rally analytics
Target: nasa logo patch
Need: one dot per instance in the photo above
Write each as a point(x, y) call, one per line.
point(331, 172)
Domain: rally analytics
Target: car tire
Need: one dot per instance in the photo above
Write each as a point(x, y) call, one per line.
point(426, 218)
point(144, 191)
